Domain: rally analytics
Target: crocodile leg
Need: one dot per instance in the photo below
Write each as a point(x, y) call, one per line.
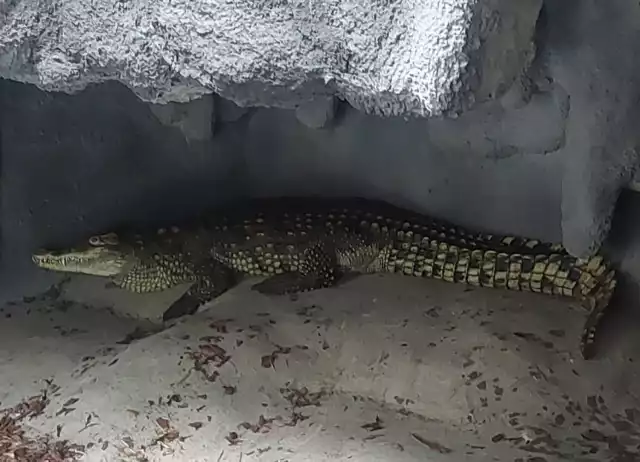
point(317, 268)
point(212, 279)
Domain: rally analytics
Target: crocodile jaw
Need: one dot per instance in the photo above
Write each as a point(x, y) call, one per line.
point(97, 261)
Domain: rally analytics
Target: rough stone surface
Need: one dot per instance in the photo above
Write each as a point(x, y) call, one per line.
point(318, 113)
point(195, 118)
point(380, 369)
point(500, 129)
point(228, 111)
point(593, 52)
point(414, 57)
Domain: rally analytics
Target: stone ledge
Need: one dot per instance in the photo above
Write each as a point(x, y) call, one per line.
point(408, 58)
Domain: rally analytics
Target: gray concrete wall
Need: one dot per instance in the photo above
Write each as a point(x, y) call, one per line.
point(77, 164)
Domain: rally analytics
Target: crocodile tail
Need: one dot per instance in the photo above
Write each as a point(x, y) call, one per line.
point(597, 285)
point(519, 245)
point(592, 281)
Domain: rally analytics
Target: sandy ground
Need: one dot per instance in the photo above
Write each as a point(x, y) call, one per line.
point(382, 368)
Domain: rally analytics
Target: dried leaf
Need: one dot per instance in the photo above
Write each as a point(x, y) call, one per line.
point(163, 423)
point(264, 422)
point(296, 417)
point(229, 390)
point(283, 350)
point(15, 444)
point(196, 425)
point(268, 360)
point(232, 438)
point(213, 349)
point(171, 435)
point(70, 402)
point(65, 411)
point(220, 325)
point(433, 445)
point(374, 426)
point(302, 397)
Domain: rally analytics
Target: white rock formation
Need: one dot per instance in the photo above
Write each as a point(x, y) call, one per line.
point(407, 57)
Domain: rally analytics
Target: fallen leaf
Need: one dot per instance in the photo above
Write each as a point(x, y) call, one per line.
point(220, 325)
point(70, 402)
point(65, 411)
point(302, 397)
point(268, 360)
point(283, 350)
point(163, 423)
point(213, 349)
point(196, 425)
point(229, 390)
point(296, 417)
point(171, 435)
point(433, 445)
point(232, 438)
point(374, 426)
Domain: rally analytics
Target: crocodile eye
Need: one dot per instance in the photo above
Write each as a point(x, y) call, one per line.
point(104, 239)
point(95, 240)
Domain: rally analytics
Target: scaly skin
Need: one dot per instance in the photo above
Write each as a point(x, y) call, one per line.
point(305, 244)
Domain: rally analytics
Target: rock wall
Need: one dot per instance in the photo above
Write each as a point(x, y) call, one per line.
point(412, 57)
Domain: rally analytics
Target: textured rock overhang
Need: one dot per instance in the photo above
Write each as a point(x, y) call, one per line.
point(389, 57)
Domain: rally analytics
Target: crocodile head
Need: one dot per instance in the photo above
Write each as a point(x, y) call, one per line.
point(101, 255)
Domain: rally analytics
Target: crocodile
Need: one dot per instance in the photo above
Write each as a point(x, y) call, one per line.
point(302, 244)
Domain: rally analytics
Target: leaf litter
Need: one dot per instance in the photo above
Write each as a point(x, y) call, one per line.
point(16, 445)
